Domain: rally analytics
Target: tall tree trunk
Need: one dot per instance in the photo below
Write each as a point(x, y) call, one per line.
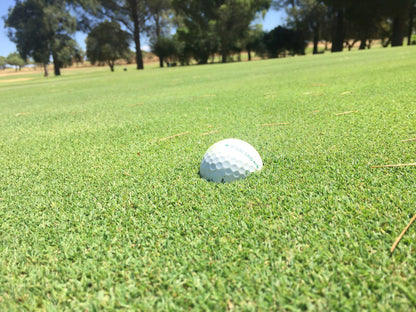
point(397, 36)
point(338, 36)
point(411, 21)
point(158, 34)
point(224, 57)
point(249, 54)
point(202, 60)
point(45, 68)
point(363, 44)
point(315, 39)
point(57, 69)
point(136, 36)
point(56, 65)
point(139, 56)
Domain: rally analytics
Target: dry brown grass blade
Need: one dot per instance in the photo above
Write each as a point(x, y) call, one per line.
point(394, 166)
point(398, 239)
point(206, 133)
point(345, 113)
point(346, 92)
point(131, 105)
point(408, 140)
point(275, 124)
point(172, 136)
point(21, 114)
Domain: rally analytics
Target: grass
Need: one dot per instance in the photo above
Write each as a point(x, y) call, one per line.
point(97, 213)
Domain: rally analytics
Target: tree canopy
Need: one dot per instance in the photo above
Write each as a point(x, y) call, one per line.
point(132, 14)
point(15, 59)
point(106, 43)
point(206, 27)
point(43, 29)
point(165, 48)
point(2, 62)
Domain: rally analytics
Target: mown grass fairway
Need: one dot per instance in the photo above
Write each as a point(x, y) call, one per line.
point(102, 207)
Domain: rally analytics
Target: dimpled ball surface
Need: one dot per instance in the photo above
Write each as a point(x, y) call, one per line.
point(230, 160)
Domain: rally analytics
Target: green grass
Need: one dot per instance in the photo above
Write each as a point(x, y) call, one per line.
point(97, 213)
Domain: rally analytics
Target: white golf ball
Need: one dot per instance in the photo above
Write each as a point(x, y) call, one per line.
point(230, 160)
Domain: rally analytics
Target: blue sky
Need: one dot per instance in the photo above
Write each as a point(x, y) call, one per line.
point(271, 20)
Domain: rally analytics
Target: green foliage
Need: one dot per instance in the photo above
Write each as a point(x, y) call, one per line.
point(160, 12)
point(165, 48)
point(208, 27)
point(79, 56)
point(342, 20)
point(134, 15)
point(280, 40)
point(311, 18)
point(366, 17)
point(194, 29)
point(41, 30)
point(254, 41)
point(100, 210)
point(233, 21)
point(107, 42)
point(2, 62)
point(15, 59)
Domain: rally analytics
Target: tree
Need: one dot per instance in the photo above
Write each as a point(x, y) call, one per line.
point(338, 35)
point(107, 42)
point(281, 39)
point(159, 12)
point(194, 30)
point(42, 29)
point(362, 20)
point(232, 22)
point(2, 62)
point(132, 14)
point(183, 54)
point(78, 57)
point(399, 12)
point(412, 12)
point(207, 27)
point(164, 48)
point(15, 59)
point(254, 40)
point(308, 16)
point(366, 18)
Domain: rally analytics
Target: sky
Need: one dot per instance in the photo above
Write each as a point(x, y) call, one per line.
point(271, 20)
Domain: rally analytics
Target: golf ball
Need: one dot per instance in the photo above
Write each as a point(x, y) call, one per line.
point(230, 160)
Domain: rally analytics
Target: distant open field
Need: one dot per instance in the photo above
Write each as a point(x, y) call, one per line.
point(102, 207)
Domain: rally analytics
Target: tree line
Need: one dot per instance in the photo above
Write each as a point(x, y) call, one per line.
point(13, 59)
point(43, 30)
point(346, 22)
